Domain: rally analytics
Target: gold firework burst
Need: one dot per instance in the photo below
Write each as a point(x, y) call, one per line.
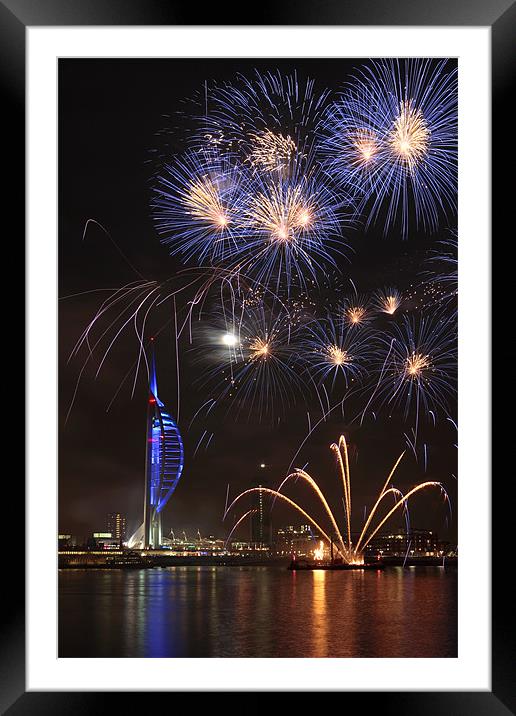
point(283, 214)
point(416, 364)
point(409, 137)
point(366, 146)
point(271, 151)
point(337, 355)
point(203, 202)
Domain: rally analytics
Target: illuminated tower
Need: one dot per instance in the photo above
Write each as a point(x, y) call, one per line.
point(163, 464)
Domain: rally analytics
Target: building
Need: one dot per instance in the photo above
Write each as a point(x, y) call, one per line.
point(414, 543)
point(102, 541)
point(163, 464)
point(300, 540)
point(261, 523)
point(116, 524)
point(66, 540)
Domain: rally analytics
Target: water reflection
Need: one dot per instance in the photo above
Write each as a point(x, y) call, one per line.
point(257, 612)
point(320, 618)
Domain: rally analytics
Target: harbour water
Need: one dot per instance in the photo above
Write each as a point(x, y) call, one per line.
point(258, 612)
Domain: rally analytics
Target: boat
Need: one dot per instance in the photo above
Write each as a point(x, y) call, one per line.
point(296, 565)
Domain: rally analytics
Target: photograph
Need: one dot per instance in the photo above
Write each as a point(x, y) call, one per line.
point(258, 357)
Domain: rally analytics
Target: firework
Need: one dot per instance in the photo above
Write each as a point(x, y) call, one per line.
point(270, 228)
point(293, 228)
point(355, 311)
point(392, 136)
point(388, 300)
point(197, 207)
point(272, 152)
point(418, 366)
point(330, 348)
point(444, 265)
point(267, 121)
point(351, 552)
point(252, 354)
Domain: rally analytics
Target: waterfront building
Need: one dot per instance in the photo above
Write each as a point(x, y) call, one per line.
point(102, 541)
point(116, 524)
point(415, 542)
point(300, 540)
point(66, 540)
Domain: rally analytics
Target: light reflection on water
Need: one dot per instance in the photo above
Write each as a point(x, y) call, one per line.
point(258, 612)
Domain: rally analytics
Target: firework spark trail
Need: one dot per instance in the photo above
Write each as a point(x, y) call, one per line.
point(299, 473)
point(322, 419)
point(120, 330)
point(237, 523)
point(384, 491)
point(226, 503)
point(140, 336)
point(210, 402)
point(177, 361)
point(117, 247)
point(344, 474)
point(199, 442)
point(453, 423)
point(90, 354)
point(85, 293)
point(430, 483)
point(118, 295)
point(382, 372)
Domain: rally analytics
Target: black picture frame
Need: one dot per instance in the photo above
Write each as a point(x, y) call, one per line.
point(15, 17)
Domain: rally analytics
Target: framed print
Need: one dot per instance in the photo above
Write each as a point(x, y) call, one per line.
point(258, 351)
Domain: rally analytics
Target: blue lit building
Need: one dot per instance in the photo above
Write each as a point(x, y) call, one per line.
point(163, 464)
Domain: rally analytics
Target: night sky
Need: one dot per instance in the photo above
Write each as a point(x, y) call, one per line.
point(115, 118)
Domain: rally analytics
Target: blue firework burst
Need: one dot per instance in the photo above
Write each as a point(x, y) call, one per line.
point(251, 349)
point(198, 207)
point(268, 120)
point(417, 365)
point(392, 137)
point(330, 349)
point(293, 226)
